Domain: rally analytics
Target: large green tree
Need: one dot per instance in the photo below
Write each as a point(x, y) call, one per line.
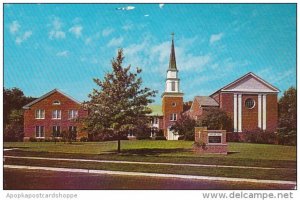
point(13, 101)
point(119, 103)
point(288, 117)
point(215, 119)
point(185, 127)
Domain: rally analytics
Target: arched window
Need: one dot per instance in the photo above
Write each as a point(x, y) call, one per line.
point(56, 102)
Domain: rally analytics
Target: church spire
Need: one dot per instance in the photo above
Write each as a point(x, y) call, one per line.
point(172, 63)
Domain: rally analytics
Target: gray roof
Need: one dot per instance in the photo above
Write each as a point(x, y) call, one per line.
point(206, 101)
point(48, 94)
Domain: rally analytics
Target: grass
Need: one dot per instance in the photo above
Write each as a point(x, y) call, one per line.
point(243, 154)
point(160, 148)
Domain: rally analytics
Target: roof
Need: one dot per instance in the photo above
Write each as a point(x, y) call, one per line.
point(172, 62)
point(250, 82)
point(206, 101)
point(27, 106)
point(156, 110)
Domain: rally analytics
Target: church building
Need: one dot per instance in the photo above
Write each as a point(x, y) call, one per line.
point(249, 101)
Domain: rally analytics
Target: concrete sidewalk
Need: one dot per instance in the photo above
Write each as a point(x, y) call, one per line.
point(107, 172)
point(146, 163)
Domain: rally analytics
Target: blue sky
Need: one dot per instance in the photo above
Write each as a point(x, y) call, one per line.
point(65, 46)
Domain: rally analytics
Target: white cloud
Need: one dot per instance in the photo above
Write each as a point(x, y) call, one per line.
point(88, 40)
point(161, 5)
point(146, 15)
point(127, 26)
point(76, 30)
point(56, 32)
point(215, 37)
point(115, 42)
point(23, 37)
point(14, 27)
point(106, 32)
point(126, 8)
point(63, 53)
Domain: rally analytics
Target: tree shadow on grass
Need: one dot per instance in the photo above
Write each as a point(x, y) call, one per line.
point(149, 151)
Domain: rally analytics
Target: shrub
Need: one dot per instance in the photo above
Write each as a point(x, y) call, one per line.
point(32, 139)
point(83, 139)
point(160, 138)
point(261, 137)
point(142, 137)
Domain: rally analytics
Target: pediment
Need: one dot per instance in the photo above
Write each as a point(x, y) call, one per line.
point(250, 83)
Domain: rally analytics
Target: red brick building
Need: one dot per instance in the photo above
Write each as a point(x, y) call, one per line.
point(51, 114)
point(250, 101)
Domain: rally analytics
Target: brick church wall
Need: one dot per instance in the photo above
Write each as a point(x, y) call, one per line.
point(46, 104)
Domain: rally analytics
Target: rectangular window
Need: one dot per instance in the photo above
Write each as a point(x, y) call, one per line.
point(214, 139)
point(39, 131)
point(40, 114)
point(56, 131)
point(73, 128)
point(173, 85)
point(73, 114)
point(173, 117)
point(56, 114)
point(155, 120)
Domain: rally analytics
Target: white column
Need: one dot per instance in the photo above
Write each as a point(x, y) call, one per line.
point(264, 124)
point(259, 111)
point(240, 113)
point(235, 112)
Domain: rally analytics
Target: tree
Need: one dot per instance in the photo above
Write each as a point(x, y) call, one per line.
point(185, 127)
point(13, 99)
point(215, 119)
point(119, 103)
point(14, 130)
point(287, 126)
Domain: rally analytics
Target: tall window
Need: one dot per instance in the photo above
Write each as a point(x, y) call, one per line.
point(56, 131)
point(56, 114)
point(155, 120)
point(40, 114)
point(39, 131)
point(73, 114)
point(173, 117)
point(73, 128)
point(173, 85)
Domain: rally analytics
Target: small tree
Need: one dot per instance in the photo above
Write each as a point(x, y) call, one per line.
point(119, 103)
point(14, 130)
point(215, 119)
point(185, 127)
point(287, 105)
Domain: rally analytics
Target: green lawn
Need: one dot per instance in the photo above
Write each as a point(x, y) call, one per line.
point(160, 148)
point(243, 154)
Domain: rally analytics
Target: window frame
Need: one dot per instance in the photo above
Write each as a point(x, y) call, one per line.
point(249, 99)
point(40, 114)
point(71, 114)
point(173, 117)
point(56, 116)
point(57, 130)
point(39, 131)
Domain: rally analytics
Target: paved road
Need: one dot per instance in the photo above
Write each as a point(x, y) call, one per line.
point(33, 179)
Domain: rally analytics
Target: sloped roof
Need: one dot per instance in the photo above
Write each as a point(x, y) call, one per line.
point(48, 94)
point(156, 110)
point(206, 101)
point(250, 82)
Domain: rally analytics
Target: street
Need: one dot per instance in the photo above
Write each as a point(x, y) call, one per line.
point(16, 179)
